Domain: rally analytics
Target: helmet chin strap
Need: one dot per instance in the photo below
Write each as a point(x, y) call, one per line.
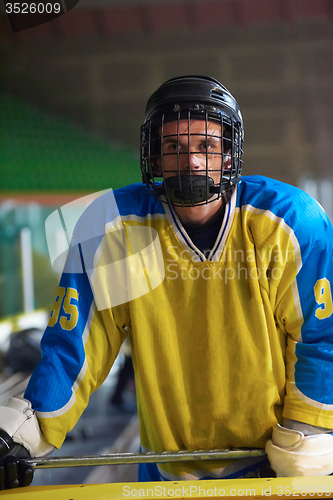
point(195, 189)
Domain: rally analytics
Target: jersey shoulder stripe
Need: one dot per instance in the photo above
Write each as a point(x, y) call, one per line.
point(302, 213)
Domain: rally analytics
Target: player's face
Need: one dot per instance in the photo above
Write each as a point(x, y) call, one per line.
point(193, 148)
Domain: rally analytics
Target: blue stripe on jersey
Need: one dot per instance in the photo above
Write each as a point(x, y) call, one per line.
point(50, 386)
point(313, 371)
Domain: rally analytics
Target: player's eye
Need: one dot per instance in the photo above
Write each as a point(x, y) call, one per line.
point(210, 145)
point(173, 148)
point(170, 147)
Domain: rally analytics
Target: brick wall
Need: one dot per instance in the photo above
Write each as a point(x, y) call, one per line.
point(276, 56)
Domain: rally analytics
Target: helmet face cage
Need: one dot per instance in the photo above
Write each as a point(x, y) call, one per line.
point(182, 186)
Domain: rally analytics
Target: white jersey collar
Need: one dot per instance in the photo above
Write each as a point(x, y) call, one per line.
point(185, 240)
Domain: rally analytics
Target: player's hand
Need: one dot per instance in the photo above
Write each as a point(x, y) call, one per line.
point(293, 454)
point(20, 439)
point(14, 471)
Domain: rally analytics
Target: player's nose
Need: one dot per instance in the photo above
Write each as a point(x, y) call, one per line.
point(194, 162)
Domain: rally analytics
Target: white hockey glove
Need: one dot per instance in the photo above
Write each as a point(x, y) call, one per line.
point(292, 454)
point(20, 437)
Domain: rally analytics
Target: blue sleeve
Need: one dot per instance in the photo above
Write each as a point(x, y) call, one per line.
point(309, 357)
point(63, 345)
point(314, 366)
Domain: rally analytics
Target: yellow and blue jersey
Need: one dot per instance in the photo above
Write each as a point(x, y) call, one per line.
point(224, 345)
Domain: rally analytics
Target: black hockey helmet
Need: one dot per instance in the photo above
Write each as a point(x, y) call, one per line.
point(191, 98)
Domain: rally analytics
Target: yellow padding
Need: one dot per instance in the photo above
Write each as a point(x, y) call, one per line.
point(274, 489)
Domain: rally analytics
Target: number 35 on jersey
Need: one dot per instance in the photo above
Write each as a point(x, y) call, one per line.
point(65, 309)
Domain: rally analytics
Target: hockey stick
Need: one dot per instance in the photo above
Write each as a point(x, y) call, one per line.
point(139, 458)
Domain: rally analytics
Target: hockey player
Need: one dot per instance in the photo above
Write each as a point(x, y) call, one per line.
point(223, 284)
